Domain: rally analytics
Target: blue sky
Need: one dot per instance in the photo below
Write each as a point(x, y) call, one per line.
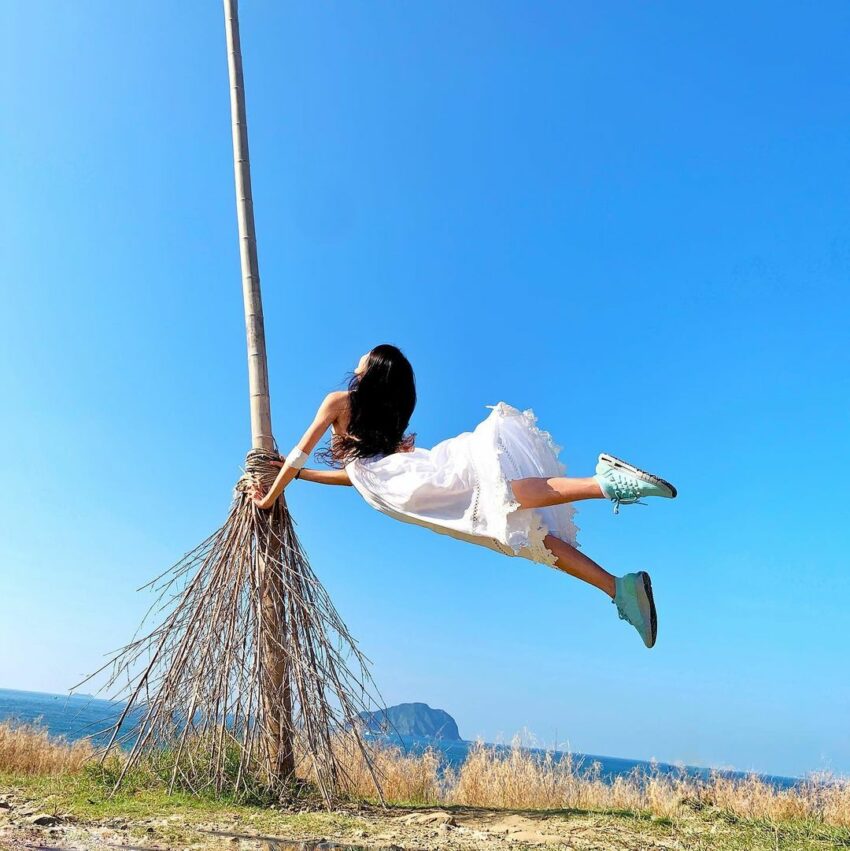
point(632, 218)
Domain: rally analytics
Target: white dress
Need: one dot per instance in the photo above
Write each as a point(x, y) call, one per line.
point(461, 487)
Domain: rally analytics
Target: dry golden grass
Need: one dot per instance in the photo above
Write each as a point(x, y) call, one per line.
point(404, 777)
point(515, 778)
point(522, 779)
point(527, 780)
point(29, 750)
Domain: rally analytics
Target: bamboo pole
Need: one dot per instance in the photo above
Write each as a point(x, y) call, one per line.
point(258, 373)
point(248, 651)
point(276, 693)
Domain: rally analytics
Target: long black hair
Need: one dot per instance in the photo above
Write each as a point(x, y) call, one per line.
point(382, 401)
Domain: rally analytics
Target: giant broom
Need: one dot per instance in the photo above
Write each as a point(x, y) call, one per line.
point(250, 680)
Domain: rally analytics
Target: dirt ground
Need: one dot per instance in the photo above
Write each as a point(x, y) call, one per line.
point(27, 824)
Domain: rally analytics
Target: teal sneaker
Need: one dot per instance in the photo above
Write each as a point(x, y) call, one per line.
point(624, 484)
point(635, 604)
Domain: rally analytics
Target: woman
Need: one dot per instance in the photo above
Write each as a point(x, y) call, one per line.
point(500, 486)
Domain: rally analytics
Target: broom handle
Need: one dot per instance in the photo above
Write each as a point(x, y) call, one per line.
point(258, 371)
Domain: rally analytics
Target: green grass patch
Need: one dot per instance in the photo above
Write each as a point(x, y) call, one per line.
point(145, 805)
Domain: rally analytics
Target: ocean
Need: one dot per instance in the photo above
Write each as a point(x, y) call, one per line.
point(77, 716)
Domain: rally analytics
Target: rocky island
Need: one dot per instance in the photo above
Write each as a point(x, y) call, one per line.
point(417, 720)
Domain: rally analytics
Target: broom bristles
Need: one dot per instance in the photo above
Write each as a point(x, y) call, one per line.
point(251, 658)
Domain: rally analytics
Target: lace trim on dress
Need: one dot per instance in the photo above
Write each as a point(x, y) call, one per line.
point(524, 528)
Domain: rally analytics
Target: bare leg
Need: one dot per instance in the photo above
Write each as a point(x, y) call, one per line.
point(577, 564)
point(540, 492)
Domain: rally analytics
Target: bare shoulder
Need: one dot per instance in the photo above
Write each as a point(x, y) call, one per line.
point(337, 409)
point(337, 401)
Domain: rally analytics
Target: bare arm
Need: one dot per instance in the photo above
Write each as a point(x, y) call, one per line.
point(327, 413)
point(325, 477)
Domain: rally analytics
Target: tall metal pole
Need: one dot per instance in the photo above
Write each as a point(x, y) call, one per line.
point(276, 694)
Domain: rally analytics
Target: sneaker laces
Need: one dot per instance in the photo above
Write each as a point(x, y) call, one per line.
point(617, 502)
point(620, 613)
point(626, 492)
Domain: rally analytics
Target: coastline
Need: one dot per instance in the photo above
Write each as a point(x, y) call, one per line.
point(92, 714)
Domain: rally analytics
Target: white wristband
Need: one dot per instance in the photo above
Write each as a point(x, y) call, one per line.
point(296, 458)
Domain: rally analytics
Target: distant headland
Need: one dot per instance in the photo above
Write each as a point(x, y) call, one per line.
point(413, 719)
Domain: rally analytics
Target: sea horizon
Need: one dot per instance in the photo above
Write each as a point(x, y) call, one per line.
point(93, 713)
